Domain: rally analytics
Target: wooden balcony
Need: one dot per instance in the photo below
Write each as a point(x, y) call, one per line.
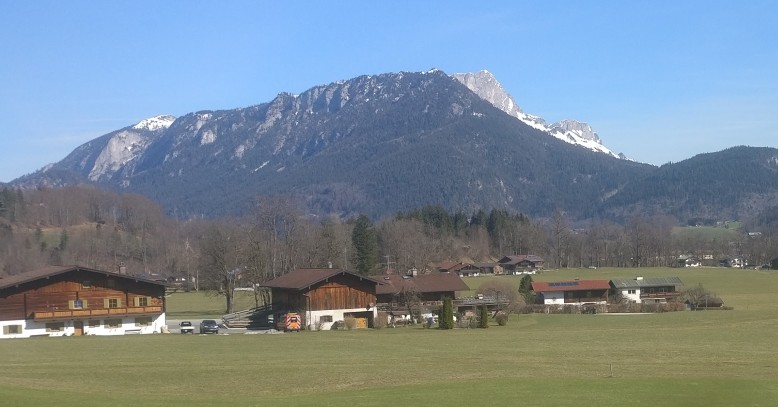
point(584, 300)
point(668, 295)
point(94, 313)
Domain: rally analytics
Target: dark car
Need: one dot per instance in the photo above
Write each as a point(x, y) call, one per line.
point(209, 326)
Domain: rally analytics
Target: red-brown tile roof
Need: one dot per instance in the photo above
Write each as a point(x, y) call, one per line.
point(422, 283)
point(51, 271)
point(303, 278)
point(576, 285)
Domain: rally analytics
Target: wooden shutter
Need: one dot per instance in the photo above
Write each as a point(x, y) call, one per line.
point(136, 301)
point(106, 303)
point(71, 304)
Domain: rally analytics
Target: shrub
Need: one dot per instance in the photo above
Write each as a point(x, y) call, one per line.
point(502, 318)
point(350, 322)
point(381, 321)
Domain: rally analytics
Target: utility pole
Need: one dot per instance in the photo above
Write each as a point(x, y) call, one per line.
point(388, 263)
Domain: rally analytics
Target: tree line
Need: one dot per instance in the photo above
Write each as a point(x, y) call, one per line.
point(101, 229)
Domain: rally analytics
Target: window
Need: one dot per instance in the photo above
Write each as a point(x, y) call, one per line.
point(113, 323)
point(77, 304)
point(325, 318)
point(142, 301)
point(86, 284)
point(12, 329)
point(631, 291)
point(142, 321)
point(94, 323)
point(55, 326)
point(113, 303)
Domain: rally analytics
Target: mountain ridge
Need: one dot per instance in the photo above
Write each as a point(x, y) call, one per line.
point(375, 144)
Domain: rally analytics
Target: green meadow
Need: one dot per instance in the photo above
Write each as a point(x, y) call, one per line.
point(706, 358)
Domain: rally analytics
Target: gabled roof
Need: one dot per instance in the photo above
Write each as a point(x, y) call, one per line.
point(422, 283)
point(51, 271)
point(447, 265)
point(576, 285)
point(511, 260)
point(647, 282)
point(304, 278)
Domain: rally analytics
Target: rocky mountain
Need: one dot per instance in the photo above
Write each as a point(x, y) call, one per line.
point(381, 144)
point(485, 85)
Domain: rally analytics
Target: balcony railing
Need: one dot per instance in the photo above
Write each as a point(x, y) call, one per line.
point(92, 313)
point(584, 299)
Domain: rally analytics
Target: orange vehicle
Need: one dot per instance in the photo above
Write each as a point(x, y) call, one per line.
point(292, 322)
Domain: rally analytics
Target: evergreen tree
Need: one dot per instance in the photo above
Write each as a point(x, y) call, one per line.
point(365, 241)
point(525, 289)
point(446, 317)
point(483, 321)
point(63, 239)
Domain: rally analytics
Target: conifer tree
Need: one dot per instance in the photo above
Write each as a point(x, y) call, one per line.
point(365, 242)
point(483, 321)
point(446, 317)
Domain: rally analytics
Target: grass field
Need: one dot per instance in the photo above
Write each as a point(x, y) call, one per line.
point(203, 304)
point(709, 358)
point(731, 231)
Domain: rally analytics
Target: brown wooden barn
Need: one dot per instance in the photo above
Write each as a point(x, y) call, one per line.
point(325, 295)
point(74, 300)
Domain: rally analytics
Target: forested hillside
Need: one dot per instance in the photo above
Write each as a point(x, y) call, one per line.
point(95, 228)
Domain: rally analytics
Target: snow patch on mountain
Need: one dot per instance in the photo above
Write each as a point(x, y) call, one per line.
point(155, 123)
point(486, 86)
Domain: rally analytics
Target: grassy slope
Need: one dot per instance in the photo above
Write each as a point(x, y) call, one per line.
point(204, 304)
point(712, 358)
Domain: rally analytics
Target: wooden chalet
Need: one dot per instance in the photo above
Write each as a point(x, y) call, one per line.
point(325, 295)
point(520, 263)
point(75, 300)
point(577, 292)
point(647, 290)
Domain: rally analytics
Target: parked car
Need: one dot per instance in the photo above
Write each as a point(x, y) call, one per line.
point(209, 326)
point(186, 327)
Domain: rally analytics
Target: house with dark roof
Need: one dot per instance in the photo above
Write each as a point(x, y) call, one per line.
point(325, 295)
point(521, 263)
point(576, 292)
point(428, 287)
point(647, 290)
point(475, 269)
point(75, 300)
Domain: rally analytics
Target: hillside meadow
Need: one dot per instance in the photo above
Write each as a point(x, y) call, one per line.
point(708, 358)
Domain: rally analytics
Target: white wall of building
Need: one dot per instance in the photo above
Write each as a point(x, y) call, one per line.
point(634, 297)
point(127, 325)
point(337, 315)
point(554, 298)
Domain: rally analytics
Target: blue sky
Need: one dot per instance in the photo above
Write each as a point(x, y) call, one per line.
point(659, 81)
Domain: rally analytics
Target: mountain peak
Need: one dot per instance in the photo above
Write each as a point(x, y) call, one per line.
point(486, 86)
point(581, 129)
point(155, 123)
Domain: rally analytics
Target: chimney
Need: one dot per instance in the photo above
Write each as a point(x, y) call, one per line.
point(639, 278)
point(329, 264)
point(122, 268)
point(414, 272)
